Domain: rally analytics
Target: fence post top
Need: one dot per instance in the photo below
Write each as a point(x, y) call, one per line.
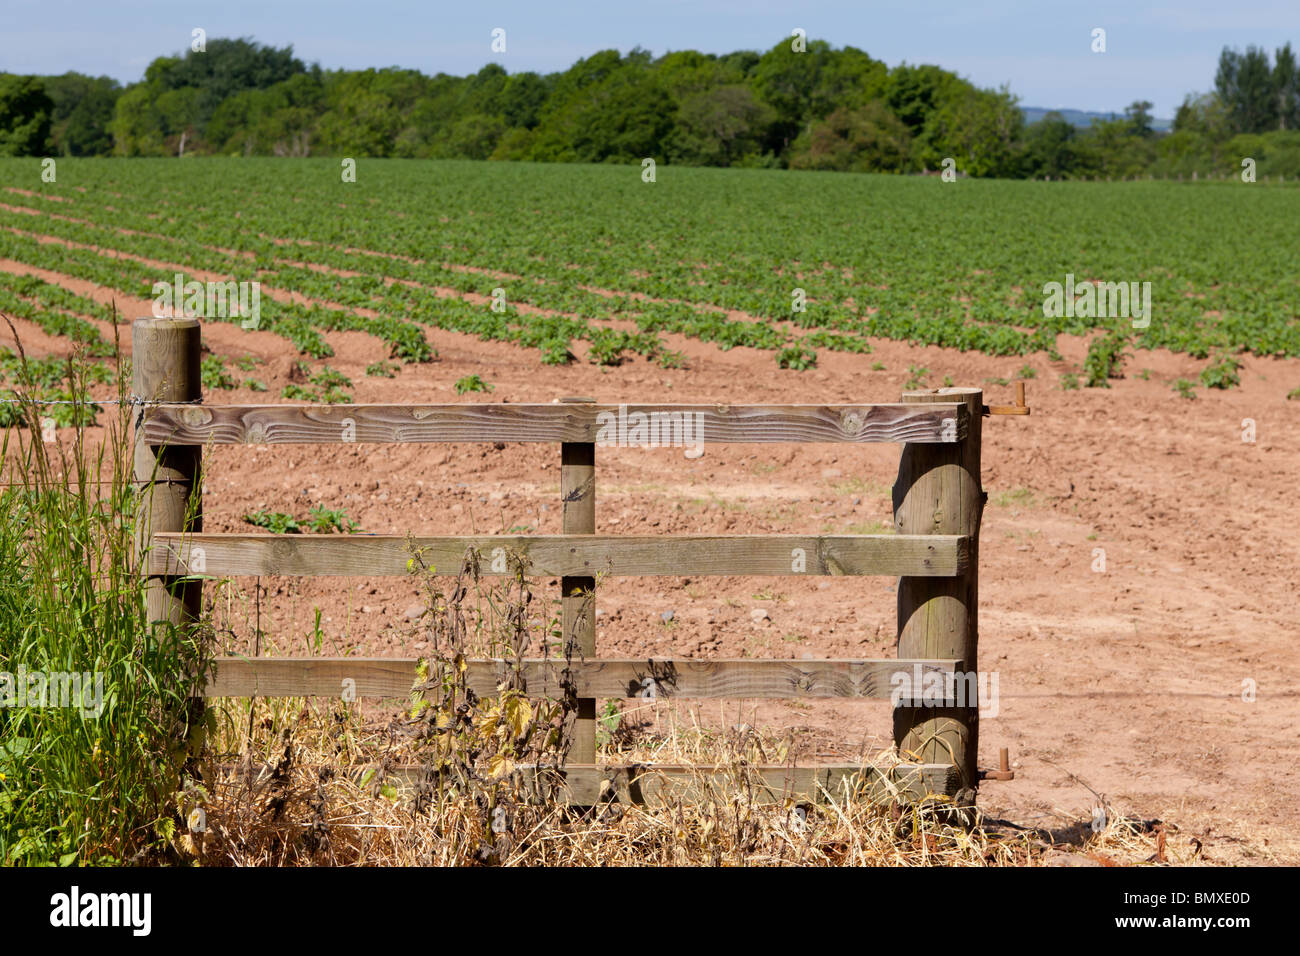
point(153, 322)
point(956, 393)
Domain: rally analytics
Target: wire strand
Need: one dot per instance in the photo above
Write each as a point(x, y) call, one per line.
point(133, 400)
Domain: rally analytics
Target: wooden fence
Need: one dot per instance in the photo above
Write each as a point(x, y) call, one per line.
point(937, 504)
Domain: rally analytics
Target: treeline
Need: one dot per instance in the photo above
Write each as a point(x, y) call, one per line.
point(800, 105)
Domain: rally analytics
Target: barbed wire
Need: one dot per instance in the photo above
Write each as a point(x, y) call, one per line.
point(132, 400)
point(51, 401)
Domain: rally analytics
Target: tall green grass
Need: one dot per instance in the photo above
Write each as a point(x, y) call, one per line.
point(76, 788)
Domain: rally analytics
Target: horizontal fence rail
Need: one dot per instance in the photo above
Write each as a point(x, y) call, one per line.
point(608, 677)
point(216, 555)
point(589, 784)
point(612, 425)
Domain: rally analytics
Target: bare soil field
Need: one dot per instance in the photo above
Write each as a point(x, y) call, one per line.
point(1125, 682)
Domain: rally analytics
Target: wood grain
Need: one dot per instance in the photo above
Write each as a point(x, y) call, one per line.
point(587, 785)
point(578, 592)
point(608, 678)
point(166, 366)
point(560, 422)
point(938, 492)
point(561, 555)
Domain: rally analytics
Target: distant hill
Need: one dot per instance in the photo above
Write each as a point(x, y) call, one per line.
point(1084, 118)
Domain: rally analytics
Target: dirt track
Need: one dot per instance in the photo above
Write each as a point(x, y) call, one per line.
point(1127, 682)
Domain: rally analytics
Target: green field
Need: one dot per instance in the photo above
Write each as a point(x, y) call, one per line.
point(958, 264)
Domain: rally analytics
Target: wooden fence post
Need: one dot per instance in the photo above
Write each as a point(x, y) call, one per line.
point(165, 362)
point(578, 598)
point(938, 491)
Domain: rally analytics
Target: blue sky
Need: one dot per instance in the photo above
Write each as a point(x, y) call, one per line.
point(1155, 51)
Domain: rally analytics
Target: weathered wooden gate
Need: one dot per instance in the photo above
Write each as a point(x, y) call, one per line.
point(937, 505)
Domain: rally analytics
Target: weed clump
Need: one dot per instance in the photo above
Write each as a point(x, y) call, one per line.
point(1105, 356)
point(96, 709)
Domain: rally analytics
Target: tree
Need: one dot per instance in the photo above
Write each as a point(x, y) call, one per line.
point(914, 93)
point(627, 118)
point(177, 111)
point(717, 127)
point(1184, 152)
point(137, 128)
point(579, 78)
point(742, 63)
point(786, 81)
point(225, 68)
point(471, 137)
point(1257, 110)
point(360, 123)
point(1204, 115)
point(1110, 148)
point(1286, 88)
point(624, 116)
point(1049, 148)
point(278, 121)
point(1138, 114)
point(1245, 84)
point(848, 78)
point(980, 129)
point(685, 73)
point(523, 98)
point(484, 91)
point(25, 116)
point(1201, 128)
point(515, 144)
point(83, 113)
point(867, 139)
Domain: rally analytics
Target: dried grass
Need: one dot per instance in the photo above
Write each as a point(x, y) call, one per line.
point(316, 786)
point(445, 781)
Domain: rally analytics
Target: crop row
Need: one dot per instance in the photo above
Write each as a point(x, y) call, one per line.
point(959, 265)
